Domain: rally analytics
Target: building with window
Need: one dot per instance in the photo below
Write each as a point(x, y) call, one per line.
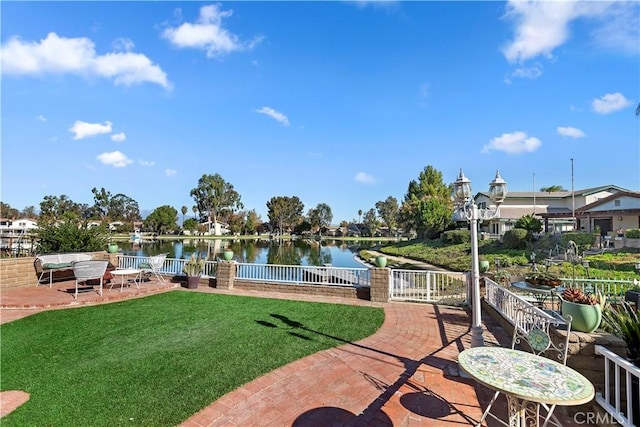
point(607, 208)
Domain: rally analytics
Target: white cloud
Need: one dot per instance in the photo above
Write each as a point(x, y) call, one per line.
point(147, 163)
point(118, 137)
point(542, 26)
point(513, 143)
point(276, 115)
point(364, 178)
point(41, 118)
point(532, 72)
point(123, 44)
point(570, 132)
point(61, 55)
point(609, 103)
point(208, 34)
point(170, 172)
point(115, 159)
point(84, 130)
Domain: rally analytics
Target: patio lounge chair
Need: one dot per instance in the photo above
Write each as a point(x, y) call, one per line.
point(153, 266)
point(531, 333)
point(89, 270)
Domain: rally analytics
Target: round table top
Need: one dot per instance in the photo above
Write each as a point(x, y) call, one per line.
point(526, 376)
point(124, 271)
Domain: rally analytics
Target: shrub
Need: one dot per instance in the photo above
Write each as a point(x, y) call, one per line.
point(515, 239)
point(455, 237)
point(583, 240)
point(529, 223)
point(70, 237)
point(632, 233)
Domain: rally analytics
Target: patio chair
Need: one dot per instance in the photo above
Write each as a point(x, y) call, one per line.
point(153, 265)
point(531, 333)
point(89, 270)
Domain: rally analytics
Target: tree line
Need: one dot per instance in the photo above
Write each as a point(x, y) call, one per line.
point(425, 211)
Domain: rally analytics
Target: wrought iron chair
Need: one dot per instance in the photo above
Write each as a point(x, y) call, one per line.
point(153, 266)
point(89, 270)
point(531, 333)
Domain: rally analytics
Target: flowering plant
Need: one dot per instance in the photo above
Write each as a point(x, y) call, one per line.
point(578, 296)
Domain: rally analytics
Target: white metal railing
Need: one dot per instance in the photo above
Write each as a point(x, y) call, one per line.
point(296, 274)
point(508, 303)
point(613, 403)
point(171, 266)
point(613, 289)
point(428, 286)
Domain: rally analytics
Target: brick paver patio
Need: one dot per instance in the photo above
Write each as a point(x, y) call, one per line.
point(405, 374)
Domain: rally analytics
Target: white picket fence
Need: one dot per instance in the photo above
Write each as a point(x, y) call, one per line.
point(304, 274)
point(170, 267)
point(428, 286)
point(612, 402)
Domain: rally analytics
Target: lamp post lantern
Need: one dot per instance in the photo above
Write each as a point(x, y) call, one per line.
point(467, 210)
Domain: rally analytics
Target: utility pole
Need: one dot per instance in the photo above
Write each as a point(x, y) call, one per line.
point(534, 194)
point(573, 199)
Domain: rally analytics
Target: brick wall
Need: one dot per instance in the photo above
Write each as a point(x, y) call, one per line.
point(380, 284)
point(17, 272)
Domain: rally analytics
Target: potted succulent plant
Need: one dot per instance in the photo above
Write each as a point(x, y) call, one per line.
point(193, 269)
point(585, 309)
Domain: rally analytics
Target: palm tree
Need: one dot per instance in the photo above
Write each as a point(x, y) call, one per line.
point(184, 211)
point(359, 216)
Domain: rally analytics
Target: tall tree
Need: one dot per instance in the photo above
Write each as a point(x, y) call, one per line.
point(415, 213)
point(370, 221)
point(215, 197)
point(162, 219)
point(6, 211)
point(252, 222)
point(359, 216)
point(53, 208)
point(101, 202)
point(285, 212)
point(124, 208)
point(320, 216)
point(184, 211)
point(388, 211)
point(552, 189)
point(29, 212)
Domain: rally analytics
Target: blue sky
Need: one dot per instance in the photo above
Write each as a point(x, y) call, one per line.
point(334, 102)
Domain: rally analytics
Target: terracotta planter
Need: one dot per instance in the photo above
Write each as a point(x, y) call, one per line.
point(381, 261)
point(193, 282)
point(227, 255)
point(584, 318)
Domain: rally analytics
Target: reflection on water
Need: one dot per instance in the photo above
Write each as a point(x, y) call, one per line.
point(338, 253)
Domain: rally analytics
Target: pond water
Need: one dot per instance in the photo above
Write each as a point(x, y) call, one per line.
point(338, 253)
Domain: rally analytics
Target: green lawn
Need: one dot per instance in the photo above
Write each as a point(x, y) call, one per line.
point(157, 360)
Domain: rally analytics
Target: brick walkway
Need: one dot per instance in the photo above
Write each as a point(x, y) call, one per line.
point(404, 375)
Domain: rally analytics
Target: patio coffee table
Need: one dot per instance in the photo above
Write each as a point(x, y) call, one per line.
point(126, 272)
point(527, 380)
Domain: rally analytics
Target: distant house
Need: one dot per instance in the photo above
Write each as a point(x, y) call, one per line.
point(607, 207)
point(17, 226)
point(216, 228)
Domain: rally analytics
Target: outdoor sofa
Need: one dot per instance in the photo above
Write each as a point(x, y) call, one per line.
point(54, 263)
